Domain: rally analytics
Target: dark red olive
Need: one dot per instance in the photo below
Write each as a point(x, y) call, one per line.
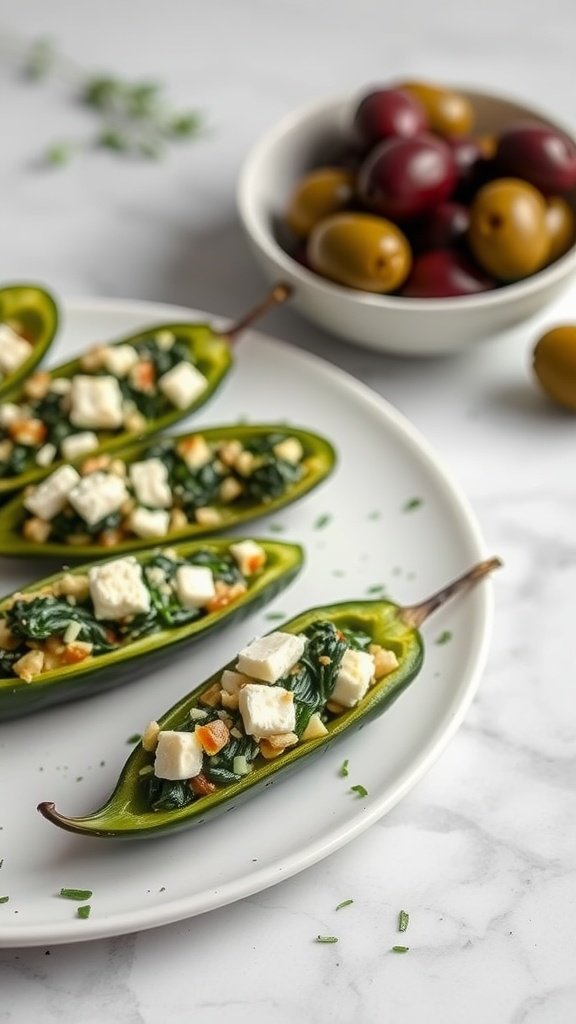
point(442, 273)
point(445, 225)
point(384, 113)
point(539, 154)
point(402, 178)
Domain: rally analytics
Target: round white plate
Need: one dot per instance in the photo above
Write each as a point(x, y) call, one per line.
point(358, 534)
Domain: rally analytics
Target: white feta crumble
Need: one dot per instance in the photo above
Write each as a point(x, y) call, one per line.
point(78, 444)
point(145, 522)
point(119, 359)
point(195, 451)
point(61, 386)
point(165, 340)
point(46, 455)
point(233, 681)
point(182, 384)
point(194, 585)
point(270, 657)
point(249, 556)
point(289, 449)
point(9, 413)
point(353, 679)
point(117, 589)
point(150, 482)
point(97, 495)
point(96, 402)
point(14, 349)
point(178, 755)
point(50, 497)
point(266, 710)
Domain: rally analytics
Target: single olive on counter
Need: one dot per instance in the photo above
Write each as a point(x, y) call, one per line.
point(402, 178)
point(561, 225)
point(555, 365)
point(443, 273)
point(539, 154)
point(508, 235)
point(386, 112)
point(448, 112)
point(360, 251)
point(317, 195)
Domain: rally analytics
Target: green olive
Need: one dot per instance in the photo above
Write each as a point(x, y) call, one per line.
point(361, 251)
point(319, 194)
point(555, 365)
point(561, 225)
point(449, 113)
point(508, 234)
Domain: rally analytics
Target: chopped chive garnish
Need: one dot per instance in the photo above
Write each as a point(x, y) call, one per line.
point(273, 616)
point(360, 790)
point(4, 899)
point(344, 768)
point(376, 514)
point(135, 738)
point(444, 637)
point(345, 903)
point(411, 504)
point(400, 949)
point(84, 911)
point(322, 521)
point(76, 894)
point(276, 528)
point(377, 588)
point(327, 939)
point(403, 919)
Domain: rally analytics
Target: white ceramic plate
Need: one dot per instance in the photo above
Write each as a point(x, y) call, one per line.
point(73, 754)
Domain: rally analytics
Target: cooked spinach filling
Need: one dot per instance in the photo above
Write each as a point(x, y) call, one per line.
point(312, 682)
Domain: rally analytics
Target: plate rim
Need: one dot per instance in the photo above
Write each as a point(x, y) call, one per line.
point(184, 908)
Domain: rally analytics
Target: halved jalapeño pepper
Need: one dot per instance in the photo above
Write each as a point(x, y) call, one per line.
point(113, 395)
point(166, 490)
point(353, 661)
point(28, 324)
point(88, 629)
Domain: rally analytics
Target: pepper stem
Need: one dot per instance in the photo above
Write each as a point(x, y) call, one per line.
point(414, 615)
point(279, 294)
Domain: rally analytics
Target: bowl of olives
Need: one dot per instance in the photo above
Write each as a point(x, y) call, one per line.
point(414, 218)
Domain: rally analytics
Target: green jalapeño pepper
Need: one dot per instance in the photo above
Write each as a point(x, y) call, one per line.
point(166, 490)
point(280, 703)
point(64, 637)
point(28, 324)
point(114, 395)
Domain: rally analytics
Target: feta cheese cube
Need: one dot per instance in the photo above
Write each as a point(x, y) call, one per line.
point(145, 522)
point(182, 384)
point(96, 402)
point(178, 755)
point(353, 679)
point(233, 681)
point(194, 585)
point(150, 482)
point(270, 657)
point(117, 589)
point(266, 710)
point(78, 444)
point(249, 556)
point(14, 349)
point(98, 495)
point(9, 413)
point(195, 451)
point(50, 497)
point(46, 455)
point(290, 450)
point(119, 359)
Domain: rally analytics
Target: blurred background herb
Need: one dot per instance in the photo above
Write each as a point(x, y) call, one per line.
point(132, 118)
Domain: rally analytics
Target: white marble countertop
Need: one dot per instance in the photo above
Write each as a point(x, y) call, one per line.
point(483, 851)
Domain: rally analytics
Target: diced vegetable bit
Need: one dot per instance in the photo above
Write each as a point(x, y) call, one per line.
point(400, 949)
point(403, 920)
point(76, 894)
point(241, 720)
point(344, 903)
point(80, 616)
point(327, 939)
point(120, 387)
point(173, 484)
point(84, 912)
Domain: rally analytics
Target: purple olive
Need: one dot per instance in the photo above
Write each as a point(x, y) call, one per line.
point(442, 273)
point(445, 225)
point(402, 178)
point(385, 113)
point(539, 154)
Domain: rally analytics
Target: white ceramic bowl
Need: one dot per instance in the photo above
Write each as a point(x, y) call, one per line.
point(411, 327)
